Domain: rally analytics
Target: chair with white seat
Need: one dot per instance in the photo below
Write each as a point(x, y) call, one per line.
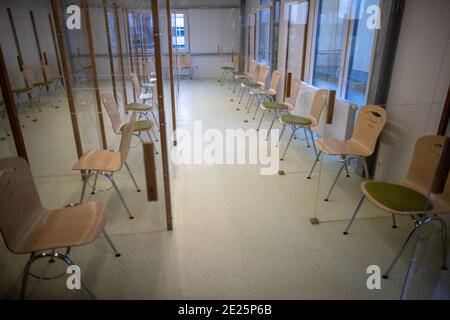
point(144, 107)
point(413, 197)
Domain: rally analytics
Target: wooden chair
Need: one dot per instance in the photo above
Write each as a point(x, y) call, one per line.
point(280, 108)
point(29, 228)
point(30, 82)
point(144, 107)
point(413, 196)
point(250, 77)
point(258, 85)
point(118, 126)
point(106, 163)
point(186, 65)
point(296, 122)
point(370, 123)
point(227, 71)
point(263, 94)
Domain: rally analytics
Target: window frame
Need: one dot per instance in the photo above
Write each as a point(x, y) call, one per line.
point(187, 47)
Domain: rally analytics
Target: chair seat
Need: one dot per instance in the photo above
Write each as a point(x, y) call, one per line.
point(295, 120)
point(22, 90)
point(42, 84)
point(227, 68)
point(396, 197)
point(269, 92)
point(139, 107)
point(66, 227)
point(143, 125)
point(274, 105)
point(252, 84)
point(334, 146)
point(99, 160)
point(150, 84)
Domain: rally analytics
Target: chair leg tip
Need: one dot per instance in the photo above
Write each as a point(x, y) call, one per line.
point(445, 268)
point(385, 277)
point(394, 227)
point(131, 218)
point(92, 192)
point(138, 190)
point(309, 178)
point(345, 233)
point(326, 200)
point(118, 255)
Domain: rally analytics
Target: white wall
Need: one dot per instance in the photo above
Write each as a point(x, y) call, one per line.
point(420, 80)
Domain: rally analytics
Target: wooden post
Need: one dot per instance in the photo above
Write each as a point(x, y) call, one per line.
point(16, 39)
point(130, 48)
point(331, 103)
point(171, 71)
point(66, 71)
point(445, 118)
point(54, 44)
point(38, 46)
point(162, 115)
point(443, 169)
point(119, 45)
point(287, 93)
point(305, 41)
point(11, 109)
point(110, 51)
point(136, 49)
point(90, 39)
point(150, 171)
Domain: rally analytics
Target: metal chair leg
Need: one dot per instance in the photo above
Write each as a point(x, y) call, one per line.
point(132, 177)
point(347, 174)
point(410, 237)
point(306, 138)
point(287, 146)
point(394, 221)
point(156, 121)
point(83, 189)
point(335, 181)
point(271, 125)
point(262, 118)
point(242, 95)
point(366, 168)
point(354, 215)
point(444, 241)
point(95, 183)
point(120, 195)
point(314, 165)
point(313, 141)
point(117, 253)
point(25, 277)
point(249, 100)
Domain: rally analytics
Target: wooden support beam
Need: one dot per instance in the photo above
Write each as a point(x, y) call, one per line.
point(55, 45)
point(110, 51)
point(87, 20)
point(445, 118)
point(150, 171)
point(119, 46)
point(331, 104)
point(162, 114)
point(136, 48)
point(38, 46)
point(11, 109)
point(56, 9)
point(16, 39)
point(171, 71)
point(443, 169)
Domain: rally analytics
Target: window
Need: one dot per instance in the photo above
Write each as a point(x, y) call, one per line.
point(263, 36)
point(141, 30)
point(179, 31)
point(343, 48)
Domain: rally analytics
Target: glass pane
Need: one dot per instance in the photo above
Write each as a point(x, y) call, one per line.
point(360, 55)
point(263, 36)
point(329, 44)
point(7, 147)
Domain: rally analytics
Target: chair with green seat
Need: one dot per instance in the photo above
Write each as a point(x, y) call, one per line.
point(239, 75)
point(144, 107)
point(30, 82)
point(250, 72)
point(280, 108)
point(413, 196)
point(140, 126)
point(306, 123)
point(266, 94)
point(368, 127)
point(256, 87)
point(56, 81)
point(227, 70)
point(258, 81)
